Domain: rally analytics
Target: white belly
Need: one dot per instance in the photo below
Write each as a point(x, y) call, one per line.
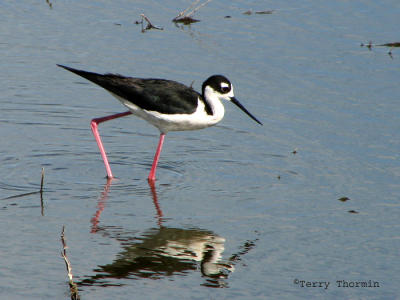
point(177, 122)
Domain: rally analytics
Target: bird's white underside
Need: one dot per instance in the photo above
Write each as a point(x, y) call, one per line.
point(179, 122)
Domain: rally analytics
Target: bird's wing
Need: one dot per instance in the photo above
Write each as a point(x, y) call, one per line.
point(164, 96)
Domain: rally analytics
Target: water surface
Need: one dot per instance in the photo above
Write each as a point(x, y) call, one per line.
point(239, 211)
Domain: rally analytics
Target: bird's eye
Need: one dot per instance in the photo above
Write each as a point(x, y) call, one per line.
point(225, 89)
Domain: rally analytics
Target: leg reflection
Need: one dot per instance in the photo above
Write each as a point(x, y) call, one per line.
point(103, 199)
point(100, 206)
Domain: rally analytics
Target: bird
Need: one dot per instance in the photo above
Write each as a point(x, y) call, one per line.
point(166, 104)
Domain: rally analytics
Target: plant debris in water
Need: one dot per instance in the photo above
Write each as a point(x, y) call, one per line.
point(260, 12)
point(370, 45)
point(72, 285)
point(344, 199)
point(185, 16)
point(149, 24)
point(391, 45)
point(31, 193)
point(186, 20)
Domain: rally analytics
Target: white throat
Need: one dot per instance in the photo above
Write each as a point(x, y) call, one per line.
point(214, 101)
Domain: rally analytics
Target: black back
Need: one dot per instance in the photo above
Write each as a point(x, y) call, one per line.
point(164, 96)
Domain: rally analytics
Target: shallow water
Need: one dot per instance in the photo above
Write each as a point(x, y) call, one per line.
point(252, 210)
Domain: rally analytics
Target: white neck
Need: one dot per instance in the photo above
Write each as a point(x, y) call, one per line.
point(214, 102)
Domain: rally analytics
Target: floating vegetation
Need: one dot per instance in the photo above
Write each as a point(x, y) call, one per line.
point(344, 199)
point(186, 20)
point(149, 24)
point(391, 45)
point(185, 16)
point(370, 45)
point(260, 12)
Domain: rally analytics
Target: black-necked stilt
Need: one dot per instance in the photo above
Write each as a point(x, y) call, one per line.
point(166, 104)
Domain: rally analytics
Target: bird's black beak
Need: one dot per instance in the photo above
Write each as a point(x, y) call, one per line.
point(238, 104)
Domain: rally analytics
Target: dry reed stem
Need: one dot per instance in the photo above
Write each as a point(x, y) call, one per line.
point(42, 181)
point(72, 285)
point(185, 15)
point(149, 24)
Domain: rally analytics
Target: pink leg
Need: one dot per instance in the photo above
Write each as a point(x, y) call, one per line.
point(152, 175)
point(155, 201)
point(94, 124)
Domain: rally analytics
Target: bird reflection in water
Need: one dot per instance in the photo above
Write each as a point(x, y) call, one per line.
point(164, 251)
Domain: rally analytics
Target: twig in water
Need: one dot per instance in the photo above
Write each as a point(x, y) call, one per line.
point(182, 13)
point(149, 24)
point(41, 193)
point(42, 181)
point(344, 199)
point(30, 193)
point(185, 16)
point(264, 12)
point(260, 12)
point(41, 204)
point(72, 285)
point(391, 45)
point(197, 8)
point(369, 45)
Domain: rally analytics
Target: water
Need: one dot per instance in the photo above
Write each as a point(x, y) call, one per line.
point(257, 205)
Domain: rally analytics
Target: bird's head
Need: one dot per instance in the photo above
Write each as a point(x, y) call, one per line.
point(219, 86)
